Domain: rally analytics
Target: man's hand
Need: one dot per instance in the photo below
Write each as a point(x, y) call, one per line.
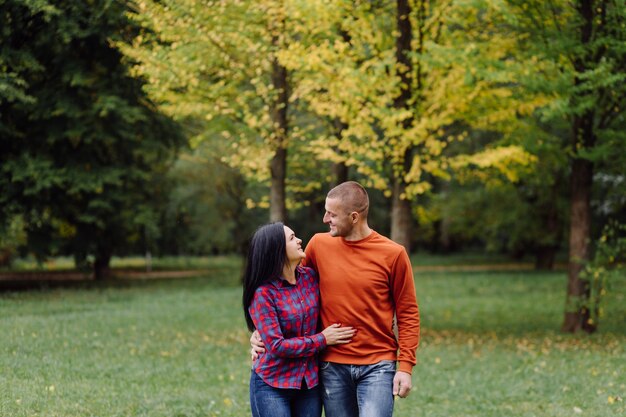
point(402, 384)
point(256, 345)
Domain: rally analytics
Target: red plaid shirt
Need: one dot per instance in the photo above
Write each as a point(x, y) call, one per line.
point(286, 317)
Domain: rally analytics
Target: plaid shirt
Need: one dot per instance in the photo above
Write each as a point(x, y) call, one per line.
point(286, 317)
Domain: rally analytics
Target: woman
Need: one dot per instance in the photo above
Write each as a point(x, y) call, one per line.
point(281, 301)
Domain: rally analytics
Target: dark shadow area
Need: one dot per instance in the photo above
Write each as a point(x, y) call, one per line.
point(61, 280)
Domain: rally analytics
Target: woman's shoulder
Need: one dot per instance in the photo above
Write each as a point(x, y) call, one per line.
point(307, 272)
point(268, 287)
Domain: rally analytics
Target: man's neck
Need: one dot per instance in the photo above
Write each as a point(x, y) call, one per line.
point(358, 233)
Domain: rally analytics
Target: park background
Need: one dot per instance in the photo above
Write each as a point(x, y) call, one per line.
point(142, 142)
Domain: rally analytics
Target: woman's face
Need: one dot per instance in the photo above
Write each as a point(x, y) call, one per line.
point(294, 248)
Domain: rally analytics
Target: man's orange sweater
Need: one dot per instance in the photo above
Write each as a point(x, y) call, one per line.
point(362, 284)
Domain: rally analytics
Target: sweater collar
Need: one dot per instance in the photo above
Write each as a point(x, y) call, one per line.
point(358, 242)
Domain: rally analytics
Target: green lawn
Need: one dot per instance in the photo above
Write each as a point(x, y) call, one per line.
point(490, 347)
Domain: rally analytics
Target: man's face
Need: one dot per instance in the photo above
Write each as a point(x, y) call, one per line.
point(337, 218)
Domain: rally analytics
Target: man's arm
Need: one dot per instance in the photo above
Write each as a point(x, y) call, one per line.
point(407, 316)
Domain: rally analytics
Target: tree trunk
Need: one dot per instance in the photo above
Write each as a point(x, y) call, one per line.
point(5, 257)
point(577, 314)
point(444, 240)
point(340, 173)
point(401, 217)
point(279, 105)
point(278, 167)
point(340, 169)
point(101, 265)
point(235, 189)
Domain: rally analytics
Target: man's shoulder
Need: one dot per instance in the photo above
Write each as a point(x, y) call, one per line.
point(386, 242)
point(321, 237)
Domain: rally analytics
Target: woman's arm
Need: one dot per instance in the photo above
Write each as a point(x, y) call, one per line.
point(265, 317)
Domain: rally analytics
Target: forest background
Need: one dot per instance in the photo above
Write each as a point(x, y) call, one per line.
point(177, 127)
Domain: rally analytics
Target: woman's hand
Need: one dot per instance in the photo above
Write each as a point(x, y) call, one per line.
point(335, 334)
point(256, 345)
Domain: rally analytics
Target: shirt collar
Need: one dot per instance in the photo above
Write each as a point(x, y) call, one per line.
point(278, 282)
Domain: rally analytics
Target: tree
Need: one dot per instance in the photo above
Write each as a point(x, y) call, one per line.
point(396, 77)
point(516, 206)
point(83, 149)
point(218, 63)
point(206, 211)
point(597, 98)
point(580, 52)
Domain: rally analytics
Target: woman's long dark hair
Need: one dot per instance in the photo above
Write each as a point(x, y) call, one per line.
point(267, 255)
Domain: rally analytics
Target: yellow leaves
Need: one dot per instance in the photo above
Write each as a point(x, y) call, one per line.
point(263, 203)
point(218, 63)
point(341, 47)
point(612, 399)
point(65, 229)
point(527, 107)
point(417, 188)
point(507, 160)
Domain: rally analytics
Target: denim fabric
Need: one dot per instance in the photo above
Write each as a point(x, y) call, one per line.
point(358, 390)
point(267, 401)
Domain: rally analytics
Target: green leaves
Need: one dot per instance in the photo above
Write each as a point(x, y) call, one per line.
point(84, 148)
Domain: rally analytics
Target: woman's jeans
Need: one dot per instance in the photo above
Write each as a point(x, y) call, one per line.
point(358, 390)
point(267, 401)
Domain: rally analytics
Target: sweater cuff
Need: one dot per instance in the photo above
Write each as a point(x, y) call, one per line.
point(405, 367)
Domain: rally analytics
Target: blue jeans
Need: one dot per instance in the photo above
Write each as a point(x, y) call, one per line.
point(358, 390)
point(267, 401)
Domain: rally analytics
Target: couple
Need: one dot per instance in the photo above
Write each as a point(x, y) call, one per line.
point(355, 280)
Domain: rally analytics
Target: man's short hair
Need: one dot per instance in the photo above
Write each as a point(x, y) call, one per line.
point(353, 196)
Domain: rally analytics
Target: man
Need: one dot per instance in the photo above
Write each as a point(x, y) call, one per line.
point(365, 278)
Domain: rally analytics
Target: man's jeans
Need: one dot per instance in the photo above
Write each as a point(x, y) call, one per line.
point(358, 390)
point(267, 401)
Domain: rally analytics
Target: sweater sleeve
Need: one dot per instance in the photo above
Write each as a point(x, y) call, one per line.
point(407, 311)
point(265, 317)
point(310, 260)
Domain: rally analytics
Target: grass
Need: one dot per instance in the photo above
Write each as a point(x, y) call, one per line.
point(175, 348)
point(64, 263)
